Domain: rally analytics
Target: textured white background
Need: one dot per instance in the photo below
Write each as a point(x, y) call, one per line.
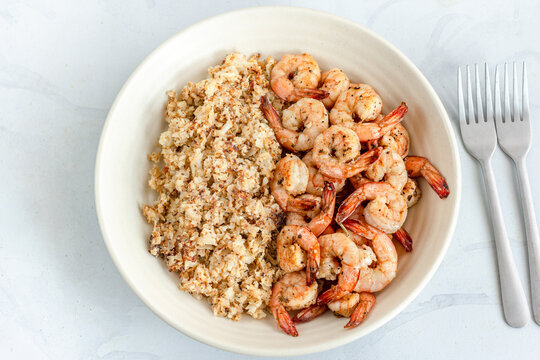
point(61, 66)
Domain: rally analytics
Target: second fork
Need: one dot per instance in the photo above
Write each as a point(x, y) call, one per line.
point(514, 137)
point(480, 140)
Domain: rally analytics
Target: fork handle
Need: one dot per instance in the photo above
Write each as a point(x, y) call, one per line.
point(533, 240)
point(514, 304)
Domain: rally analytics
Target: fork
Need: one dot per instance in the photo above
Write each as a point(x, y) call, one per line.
point(514, 134)
point(480, 139)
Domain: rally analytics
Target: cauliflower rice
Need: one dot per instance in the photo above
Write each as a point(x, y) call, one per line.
point(215, 219)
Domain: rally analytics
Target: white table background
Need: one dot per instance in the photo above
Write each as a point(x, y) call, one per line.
point(61, 66)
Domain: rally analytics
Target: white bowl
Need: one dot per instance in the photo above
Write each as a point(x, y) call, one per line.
point(136, 120)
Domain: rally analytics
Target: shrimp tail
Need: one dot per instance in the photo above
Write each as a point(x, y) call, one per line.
point(437, 183)
point(311, 93)
point(361, 227)
point(299, 204)
point(348, 206)
point(395, 116)
point(284, 320)
point(370, 144)
point(312, 267)
point(328, 199)
point(334, 293)
point(420, 166)
point(368, 158)
point(270, 113)
point(357, 180)
point(404, 239)
point(346, 209)
point(359, 165)
point(367, 300)
point(318, 224)
point(309, 313)
point(357, 227)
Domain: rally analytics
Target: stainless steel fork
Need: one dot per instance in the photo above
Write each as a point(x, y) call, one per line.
point(514, 134)
point(480, 139)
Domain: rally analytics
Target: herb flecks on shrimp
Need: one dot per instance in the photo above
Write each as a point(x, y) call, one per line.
point(373, 279)
point(337, 153)
point(334, 82)
point(291, 293)
point(289, 239)
point(300, 124)
point(290, 179)
point(295, 77)
point(385, 210)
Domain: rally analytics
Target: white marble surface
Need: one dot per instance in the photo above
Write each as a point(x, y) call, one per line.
point(61, 66)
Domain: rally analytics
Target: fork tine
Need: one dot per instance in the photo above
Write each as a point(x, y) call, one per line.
point(479, 108)
point(515, 95)
point(489, 100)
point(507, 115)
point(461, 103)
point(525, 96)
point(470, 103)
point(498, 110)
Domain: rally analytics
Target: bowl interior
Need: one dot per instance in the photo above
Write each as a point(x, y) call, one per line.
point(136, 120)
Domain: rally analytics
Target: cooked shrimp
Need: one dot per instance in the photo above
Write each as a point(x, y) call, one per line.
point(337, 153)
point(353, 305)
point(301, 123)
point(309, 313)
point(390, 168)
point(386, 209)
point(344, 306)
point(290, 255)
point(318, 219)
point(289, 240)
point(339, 140)
point(320, 222)
point(396, 139)
point(360, 102)
point(295, 219)
point(334, 82)
point(330, 266)
point(351, 259)
point(296, 76)
point(299, 237)
point(290, 179)
point(374, 130)
point(329, 230)
point(374, 279)
point(365, 304)
point(358, 180)
point(313, 212)
point(404, 239)
point(387, 213)
point(411, 192)
point(304, 217)
point(291, 292)
point(420, 166)
point(359, 240)
point(316, 180)
point(362, 242)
